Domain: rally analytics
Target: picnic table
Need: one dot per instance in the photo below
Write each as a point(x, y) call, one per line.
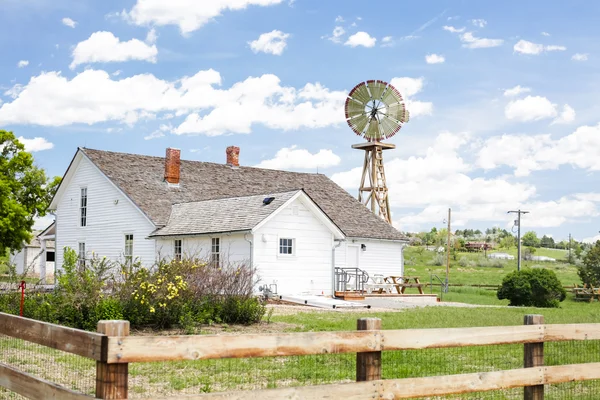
point(403, 282)
point(586, 293)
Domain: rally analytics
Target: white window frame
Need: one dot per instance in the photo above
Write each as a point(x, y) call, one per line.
point(81, 254)
point(215, 256)
point(290, 243)
point(128, 246)
point(83, 206)
point(177, 245)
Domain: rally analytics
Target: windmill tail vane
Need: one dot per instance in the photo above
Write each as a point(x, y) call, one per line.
point(375, 110)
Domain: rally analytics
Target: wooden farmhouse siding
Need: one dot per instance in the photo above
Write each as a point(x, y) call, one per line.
point(110, 215)
point(309, 268)
point(232, 247)
point(383, 257)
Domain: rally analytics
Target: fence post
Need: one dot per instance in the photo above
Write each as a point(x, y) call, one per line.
point(112, 379)
point(368, 364)
point(534, 357)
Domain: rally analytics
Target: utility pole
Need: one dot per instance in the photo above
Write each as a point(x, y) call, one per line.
point(448, 252)
point(518, 221)
point(570, 248)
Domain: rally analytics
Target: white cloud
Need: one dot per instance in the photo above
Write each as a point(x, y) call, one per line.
point(189, 15)
point(434, 59)
point(336, 35)
point(273, 42)
point(339, 19)
point(151, 36)
point(36, 144)
point(527, 153)
point(472, 42)
point(22, 64)
point(160, 132)
point(408, 87)
point(591, 240)
point(294, 158)
point(531, 108)
point(545, 34)
point(526, 47)
point(480, 23)
point(117, 73)
point(387, 41)
point(453, 29)
point(361, 39)
point(208, 109)
point(41, 223)
point(515, 91)
point(69, 22)
point(566, 116)
point(580, 57)
point(106, 47)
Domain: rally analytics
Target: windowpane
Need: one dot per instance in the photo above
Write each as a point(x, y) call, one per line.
point(128, 248)
point(81, 254)
point(83, 207)
point(286, 246)
point(215, 253)
point(178, 249)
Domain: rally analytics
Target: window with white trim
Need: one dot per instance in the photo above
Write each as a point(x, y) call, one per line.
point(286, 246)
point(128, 248)
point(83, 207)
point(177, 251)
point(81, 254)
point(215, 252)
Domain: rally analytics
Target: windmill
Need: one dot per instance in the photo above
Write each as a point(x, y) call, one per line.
point(375, 110)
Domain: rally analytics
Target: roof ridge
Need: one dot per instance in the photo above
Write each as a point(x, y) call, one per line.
point(240, 197)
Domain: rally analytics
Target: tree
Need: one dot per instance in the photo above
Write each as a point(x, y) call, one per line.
point(589, 272)
point(547, 242)
point(508, 242)
point(25, 192)
point(530, 239)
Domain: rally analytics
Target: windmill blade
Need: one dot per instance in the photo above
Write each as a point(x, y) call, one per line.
point(358, 124)
point(391, 96)
point(389, 126)
point(372, 133)
point(360, 93)
point(398, 111)
point(376, 88)
point(354, 108)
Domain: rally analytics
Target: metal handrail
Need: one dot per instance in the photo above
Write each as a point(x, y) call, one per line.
point(442, 286)
point(344, 275)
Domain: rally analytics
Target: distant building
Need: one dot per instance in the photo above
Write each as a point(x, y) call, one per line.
point(542, 258)
point(501, 256)
point(478, 246)
point(37, 255)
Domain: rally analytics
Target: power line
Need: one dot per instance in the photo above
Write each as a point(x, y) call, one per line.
point(518, 223)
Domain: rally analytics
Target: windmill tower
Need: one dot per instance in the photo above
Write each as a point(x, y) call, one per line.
point(375, 110)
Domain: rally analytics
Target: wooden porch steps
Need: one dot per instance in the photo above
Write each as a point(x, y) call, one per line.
point(350, 295)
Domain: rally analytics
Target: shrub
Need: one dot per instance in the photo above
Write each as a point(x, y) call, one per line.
point(532, 287)
point(463, 262)
point(438, 260)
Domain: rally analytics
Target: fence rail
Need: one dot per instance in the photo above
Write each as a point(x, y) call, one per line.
point(113, 349)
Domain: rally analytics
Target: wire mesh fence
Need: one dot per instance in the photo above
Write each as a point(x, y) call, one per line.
point(69, 370)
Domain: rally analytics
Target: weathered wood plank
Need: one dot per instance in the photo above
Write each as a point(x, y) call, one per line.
point(419, 387)
point(35, 388)
point(557, 333)
point(167, 348)
point(533, 356)
point(75, 341)
point(368, 364)
point(407, 339)
point(112, 380)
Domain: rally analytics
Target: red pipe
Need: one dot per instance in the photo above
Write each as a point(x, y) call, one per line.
point(22, 287)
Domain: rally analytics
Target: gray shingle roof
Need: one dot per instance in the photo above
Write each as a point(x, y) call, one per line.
point(221, 215)
point(142, 179)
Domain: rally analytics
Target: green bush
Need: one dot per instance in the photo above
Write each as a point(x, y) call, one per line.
point(532, 287)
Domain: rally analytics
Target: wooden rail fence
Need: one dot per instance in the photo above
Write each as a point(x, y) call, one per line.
point(113, 349)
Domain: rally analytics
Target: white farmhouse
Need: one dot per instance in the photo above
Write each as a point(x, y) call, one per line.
point(294, 228)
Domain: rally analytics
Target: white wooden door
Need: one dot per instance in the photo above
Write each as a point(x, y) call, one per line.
point(352, 257)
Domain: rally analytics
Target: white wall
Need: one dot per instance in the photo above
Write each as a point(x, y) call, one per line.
point(380, 257)
point(309, 269)
point(233, 247)
point(33, 257)
point(110, 215)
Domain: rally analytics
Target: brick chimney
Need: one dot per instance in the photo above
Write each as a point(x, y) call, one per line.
point(233, 156)
point(172, 166)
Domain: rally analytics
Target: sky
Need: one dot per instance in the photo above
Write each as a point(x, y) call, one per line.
point(502, 95)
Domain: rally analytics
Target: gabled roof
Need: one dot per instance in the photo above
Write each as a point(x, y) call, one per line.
point(232, 214)
point(141, 178)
